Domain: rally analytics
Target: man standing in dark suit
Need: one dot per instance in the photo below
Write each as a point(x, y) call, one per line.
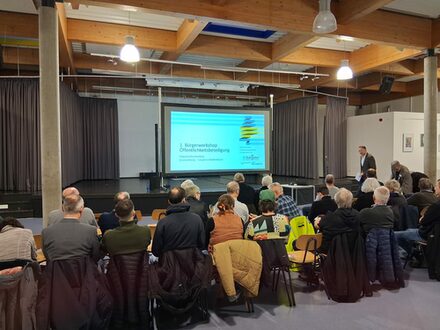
point(70, 238)
point(367, 161)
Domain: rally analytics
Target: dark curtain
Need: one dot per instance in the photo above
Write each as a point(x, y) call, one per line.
point(20, 164)
point(295, 138)
point(335, 138)
point(89, 136)
point(72, 136)
point(101, 146)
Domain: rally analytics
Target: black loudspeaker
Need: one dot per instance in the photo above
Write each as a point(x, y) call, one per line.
point(155, 182)
point(386, 85)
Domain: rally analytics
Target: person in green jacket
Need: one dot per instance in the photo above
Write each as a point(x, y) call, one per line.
point(129, 237)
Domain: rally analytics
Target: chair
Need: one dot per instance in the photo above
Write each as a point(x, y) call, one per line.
point(158, 214)
point(307, 255)
point(152, 228)
point(128, 278)
point(138, 215)
point(276, 261)
point(38, 242)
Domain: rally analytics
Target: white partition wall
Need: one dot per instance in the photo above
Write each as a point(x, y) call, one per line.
point(383, 134)
point(376, 133)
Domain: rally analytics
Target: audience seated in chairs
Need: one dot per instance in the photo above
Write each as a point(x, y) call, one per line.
point(109, 220)
point(425, 197)
point(372, 173)
point(180, 229)
point(330, 184)
point(72, 292)
point(183, 271)
point(365, 198)
point(285, 204)
point(127, 271)
point(266, 181)
point(377, 223)
point(322, 204)
point(269, 224)
point(16, 243)
point(427, 223)
point(225, 225)
point(380, 214)
point(396, 200)
point(197, 206)
point(344, 220)
point(128, 237)
point(87, 215)
point(233, 190)
point(416, 176)
point(247, 193)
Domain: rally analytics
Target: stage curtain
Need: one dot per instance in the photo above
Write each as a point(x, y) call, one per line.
point(295, 144)
point(335, 138)
point(89, 136)
point(101, 142)
point(72, 140)
point(20, 135)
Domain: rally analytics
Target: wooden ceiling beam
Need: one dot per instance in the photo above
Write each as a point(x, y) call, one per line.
point(435, 33)
point(295, 16)
point(232, 48)
point(18, 25)
point(351, 10)
point(316, 57)
point(114, 34)
point(372, 56)
point(289, 44)
point(187, 33)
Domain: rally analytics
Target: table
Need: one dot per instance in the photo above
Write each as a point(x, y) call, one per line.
point(302, 198)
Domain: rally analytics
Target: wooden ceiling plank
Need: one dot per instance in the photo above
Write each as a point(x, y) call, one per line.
point(350, 10)
point(316, 57)
point(66, 52)
point(435, 33)
point(289, 44)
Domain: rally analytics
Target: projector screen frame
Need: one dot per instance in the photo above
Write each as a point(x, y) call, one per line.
point(197, 173)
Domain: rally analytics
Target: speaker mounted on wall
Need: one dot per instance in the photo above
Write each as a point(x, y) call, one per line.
point(386, 85)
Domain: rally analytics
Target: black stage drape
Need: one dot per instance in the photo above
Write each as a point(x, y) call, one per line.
point(89, 136)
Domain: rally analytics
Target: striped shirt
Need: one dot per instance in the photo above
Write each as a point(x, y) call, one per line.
point(17, 243)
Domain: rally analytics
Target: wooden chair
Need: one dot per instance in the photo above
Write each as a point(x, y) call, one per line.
point(152, 228)
point(306, 256)
point(158, 214)
point(38, 242)
point(138, 214)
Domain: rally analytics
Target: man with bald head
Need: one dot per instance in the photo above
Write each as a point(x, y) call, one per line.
point(109, 220)
point(87, 216)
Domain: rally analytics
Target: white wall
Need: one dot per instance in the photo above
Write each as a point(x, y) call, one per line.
point(384, 140)
point(377, 135)
point(136, 136)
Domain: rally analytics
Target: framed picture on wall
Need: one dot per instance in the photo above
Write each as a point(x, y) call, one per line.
point(408, 142)
point(422, 140)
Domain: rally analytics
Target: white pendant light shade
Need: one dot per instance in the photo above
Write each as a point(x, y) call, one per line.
point(344, 72)
point(129, 53)
point(325, 21)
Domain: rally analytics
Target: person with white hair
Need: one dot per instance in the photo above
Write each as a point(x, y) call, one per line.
point(344, 220)
point(380, 214)
point(197, 206)
point(87, 215)
point(187, 183)
point(365, 198)
point(396, 200)
point(233, 189)
point(247, 193)
point(266, 181)
point(69, 238)
point(285, 204)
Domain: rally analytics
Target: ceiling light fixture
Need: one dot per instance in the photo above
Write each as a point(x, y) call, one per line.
point(325, 21)
point(129, 53)
point(344, 72)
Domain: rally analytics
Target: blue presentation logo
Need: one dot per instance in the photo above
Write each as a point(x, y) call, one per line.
point(248, 129)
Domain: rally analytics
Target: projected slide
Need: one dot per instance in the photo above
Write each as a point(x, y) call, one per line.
point(217, 141)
